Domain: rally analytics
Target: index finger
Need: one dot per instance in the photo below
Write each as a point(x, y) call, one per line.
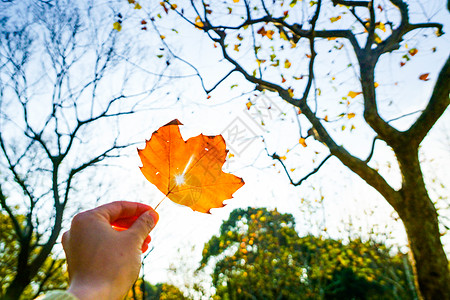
point(121, 210)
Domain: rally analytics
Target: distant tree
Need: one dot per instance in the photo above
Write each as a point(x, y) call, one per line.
point(259, 255)
point(51, 275)
point(64, 84)
point(332, 60)
point(143, 290)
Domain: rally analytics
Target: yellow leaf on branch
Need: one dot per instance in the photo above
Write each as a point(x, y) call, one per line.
point(117, 26)
point(287, 64)
point(302, 142)
point(380, 25)
point(353, 94)
point(260, 61)
point(276, 63)
point(198, 22)
point(291, 92)
point(335, 19)
point(377, 39)
point(413, 51)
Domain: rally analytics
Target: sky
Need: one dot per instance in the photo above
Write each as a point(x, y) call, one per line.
point(327, 203)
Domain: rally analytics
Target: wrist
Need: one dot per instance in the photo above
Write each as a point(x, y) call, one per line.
point(89, 291)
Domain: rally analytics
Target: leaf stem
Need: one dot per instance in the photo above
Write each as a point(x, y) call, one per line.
point(161, 201)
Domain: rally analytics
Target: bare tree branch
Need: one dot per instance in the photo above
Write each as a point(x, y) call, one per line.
point(16, 175)
point(220, 81)
point(55, 265)
point(299, 182)
point(372, 150)
point(15, 222)
point(392, 42)
point(404, 115)
point(85, 165)
point(351, 3)
point(355, 164)
point(371, 28)
point(358, 166)
point(38, 153)
point(438, 103)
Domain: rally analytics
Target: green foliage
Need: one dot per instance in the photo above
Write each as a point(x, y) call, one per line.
point(259, 254)
point(51, 276)
point(143, 290)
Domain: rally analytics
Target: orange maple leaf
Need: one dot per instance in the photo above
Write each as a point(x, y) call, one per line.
point(188, 172)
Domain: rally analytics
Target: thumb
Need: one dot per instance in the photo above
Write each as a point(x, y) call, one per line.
point(145, 223)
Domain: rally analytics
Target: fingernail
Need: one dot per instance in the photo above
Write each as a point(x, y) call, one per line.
point(154, 216)
point(144, 248)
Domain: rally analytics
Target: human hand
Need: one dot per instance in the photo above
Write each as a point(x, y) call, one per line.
point(103, 262)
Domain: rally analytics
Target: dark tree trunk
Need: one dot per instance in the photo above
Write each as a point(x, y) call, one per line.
point(412, 202)
point(23, 275)
point(420, 218)
point(17, 286)
point(27, 270)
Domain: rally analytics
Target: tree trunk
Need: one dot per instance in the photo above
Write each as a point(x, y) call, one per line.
point(27, 270)
point(17, 286)
point(23, 275)
point(420, 218)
